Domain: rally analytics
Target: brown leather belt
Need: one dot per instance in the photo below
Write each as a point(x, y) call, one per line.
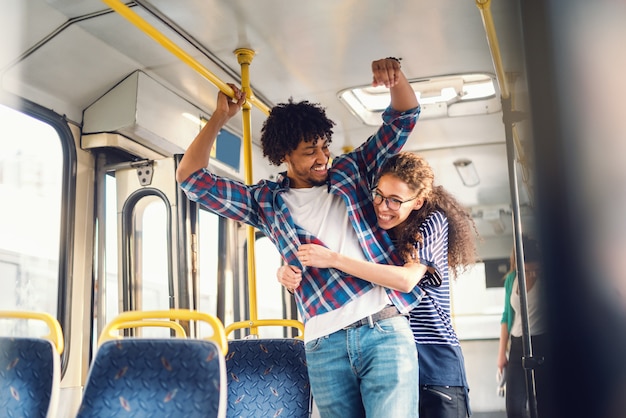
point(388, 311)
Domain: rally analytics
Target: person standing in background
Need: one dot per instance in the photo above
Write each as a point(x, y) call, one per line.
point(511, 336)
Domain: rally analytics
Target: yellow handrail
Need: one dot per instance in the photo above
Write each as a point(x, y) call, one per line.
point(149, 30)
point(178, 329)
point(56, 333)
point(492, 39)
point(267, 322)
point(132, 319)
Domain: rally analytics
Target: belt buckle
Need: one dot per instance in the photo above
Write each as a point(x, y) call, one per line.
point(369, 319)
point(358, 323)
point(350, 326)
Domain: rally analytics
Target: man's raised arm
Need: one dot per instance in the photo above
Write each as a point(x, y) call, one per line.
point(199, 152)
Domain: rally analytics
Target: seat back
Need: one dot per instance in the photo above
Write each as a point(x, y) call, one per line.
point(156, 377)
point(267, 378)
point(30, 369)
point(30, 376)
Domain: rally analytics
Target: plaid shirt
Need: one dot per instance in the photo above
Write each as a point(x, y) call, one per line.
point(352, 177)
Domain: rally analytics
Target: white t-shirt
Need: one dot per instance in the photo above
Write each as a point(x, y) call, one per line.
point(536, 312)
point(326, 216)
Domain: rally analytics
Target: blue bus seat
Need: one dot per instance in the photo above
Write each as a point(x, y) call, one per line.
point(169, 377)
point(268, 378)
point(30, 377)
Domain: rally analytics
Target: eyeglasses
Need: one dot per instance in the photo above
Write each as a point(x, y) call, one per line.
point(391, 202)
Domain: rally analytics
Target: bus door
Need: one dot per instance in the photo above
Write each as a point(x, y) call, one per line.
point(143, 247)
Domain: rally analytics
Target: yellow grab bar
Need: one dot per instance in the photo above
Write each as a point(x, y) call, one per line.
point(149, 30)
point(266, 322)
point(56, 333)
point(492, 39)
point(132, 319)
point(178, 329)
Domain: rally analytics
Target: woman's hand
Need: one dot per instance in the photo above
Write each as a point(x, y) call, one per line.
point(314, 255)
point(502, 361)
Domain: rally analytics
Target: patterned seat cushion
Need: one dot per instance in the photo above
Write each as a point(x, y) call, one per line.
point(156, 378)
point(267, 378)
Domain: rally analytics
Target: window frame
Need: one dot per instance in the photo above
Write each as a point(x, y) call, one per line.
point(68, 209)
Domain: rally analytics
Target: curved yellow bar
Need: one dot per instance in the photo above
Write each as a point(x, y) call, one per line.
point(149, 30)
point(267, 322)
point(56, 333)
point(132, 319)
point(178, 329)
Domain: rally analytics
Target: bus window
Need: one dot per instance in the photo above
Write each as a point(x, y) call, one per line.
point(31, 174)
point(269, 291)
point(476, 306)
point(151, 268)
point(111, 289)
point(207, 265)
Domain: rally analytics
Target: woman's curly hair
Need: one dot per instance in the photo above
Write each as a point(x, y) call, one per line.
point(289, 123)
point(415, 171)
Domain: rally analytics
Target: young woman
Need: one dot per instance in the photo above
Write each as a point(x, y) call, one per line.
point(435, 236)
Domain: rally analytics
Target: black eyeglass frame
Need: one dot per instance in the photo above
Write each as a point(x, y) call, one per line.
point(378, 198)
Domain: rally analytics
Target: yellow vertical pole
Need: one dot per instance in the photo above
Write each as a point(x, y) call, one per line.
point(492, 39)
point(244, 57)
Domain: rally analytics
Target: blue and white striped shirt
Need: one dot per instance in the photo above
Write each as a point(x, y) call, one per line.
point(441, 360)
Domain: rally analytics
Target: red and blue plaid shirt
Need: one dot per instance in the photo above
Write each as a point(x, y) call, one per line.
point(352, 176)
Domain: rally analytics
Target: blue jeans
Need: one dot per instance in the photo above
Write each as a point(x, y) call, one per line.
point(366, 371)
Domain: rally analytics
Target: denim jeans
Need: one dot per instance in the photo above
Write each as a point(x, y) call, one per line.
point(366, 371)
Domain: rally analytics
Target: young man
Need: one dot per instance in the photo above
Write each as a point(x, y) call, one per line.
point(360, 352)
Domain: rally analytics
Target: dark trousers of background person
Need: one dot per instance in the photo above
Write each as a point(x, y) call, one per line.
point(516, 396)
